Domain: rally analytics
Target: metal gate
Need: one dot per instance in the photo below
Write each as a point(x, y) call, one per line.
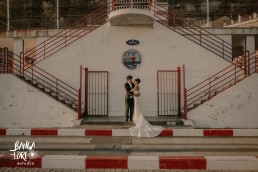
point(169, 102)
point(96, 93)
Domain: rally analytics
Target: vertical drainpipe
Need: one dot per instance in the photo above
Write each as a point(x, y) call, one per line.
point(8, 14)
point(57, 14)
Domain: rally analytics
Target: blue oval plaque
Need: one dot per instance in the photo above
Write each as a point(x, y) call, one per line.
point(132, 42)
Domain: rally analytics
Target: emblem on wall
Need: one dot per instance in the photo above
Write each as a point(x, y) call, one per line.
point(132, 59)
point(132, 42)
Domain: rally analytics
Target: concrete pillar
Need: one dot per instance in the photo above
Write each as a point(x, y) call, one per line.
point(18, 46)
point(208, 13)
point(8, 14)
point(250, 43)
point(57, 14)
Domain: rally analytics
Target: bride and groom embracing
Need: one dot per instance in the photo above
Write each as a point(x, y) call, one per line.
point(142, 127)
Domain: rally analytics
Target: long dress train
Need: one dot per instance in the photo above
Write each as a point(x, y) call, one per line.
point(142, 127)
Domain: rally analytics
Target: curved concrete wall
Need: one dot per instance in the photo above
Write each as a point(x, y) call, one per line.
point(130, 16)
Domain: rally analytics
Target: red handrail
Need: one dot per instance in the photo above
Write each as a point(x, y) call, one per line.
point(67, 36)
point(36, 75)
point(169, 11)
point(224, 79)
point(206, 39)
point(59, 40)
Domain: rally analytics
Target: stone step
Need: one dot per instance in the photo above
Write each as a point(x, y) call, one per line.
point(121, 120)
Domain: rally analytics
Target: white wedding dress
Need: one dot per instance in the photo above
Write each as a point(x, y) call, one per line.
point(142, 127)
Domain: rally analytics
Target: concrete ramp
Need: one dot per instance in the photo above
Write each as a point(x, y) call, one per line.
point(235, 108)
point(23, 106)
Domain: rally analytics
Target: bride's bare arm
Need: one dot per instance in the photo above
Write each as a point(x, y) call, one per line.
point(136, 87)
point(132, 90)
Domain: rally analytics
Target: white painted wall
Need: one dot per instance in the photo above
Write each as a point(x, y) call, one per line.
point(250, 43)
point(23, 106)
point(234, 108)
point(18, 46)
point(160, 47)
point(6, 42)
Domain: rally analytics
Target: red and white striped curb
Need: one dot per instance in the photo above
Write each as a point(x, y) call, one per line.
point(135, 162)
point(126, 132)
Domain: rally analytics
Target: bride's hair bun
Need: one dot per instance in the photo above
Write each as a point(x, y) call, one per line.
point(138, 80)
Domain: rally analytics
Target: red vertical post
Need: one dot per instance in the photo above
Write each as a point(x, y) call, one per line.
point(57, 88)
point(21, 63)
point(158, 90)
point(245, 66)
point(80, 88)
point(107, 93)
point(256, 61)
point(184, 76)
point(209, 89)
point(80, 76)
point(235, 74)
point(32, 75)
point(79, 104)
point(185, 94)
point(6, 57)
point(185, 103)
point(44, 50)
point(149, 4)
point(2, 67)
point(248, 62)
point(113, 5)
point(174, 21)
point(86, 92)
point(200, 36)
point(65, 38)
point(179, 91)
point(223, 49)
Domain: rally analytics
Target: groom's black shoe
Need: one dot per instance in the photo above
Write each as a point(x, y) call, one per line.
point(127, 118)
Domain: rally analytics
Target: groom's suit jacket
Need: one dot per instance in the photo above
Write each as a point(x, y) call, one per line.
point(127, 89)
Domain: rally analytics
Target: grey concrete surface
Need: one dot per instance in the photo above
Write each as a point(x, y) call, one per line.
point(223, 146)
point(106, 170)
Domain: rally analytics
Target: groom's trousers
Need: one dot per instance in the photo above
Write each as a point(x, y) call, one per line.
point(129, 108)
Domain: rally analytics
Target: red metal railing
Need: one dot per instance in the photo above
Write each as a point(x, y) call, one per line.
point(192, 32)
point(45, 81)
point(99, 17)
point(219, 82)
point(69, 35)
point(125, 4)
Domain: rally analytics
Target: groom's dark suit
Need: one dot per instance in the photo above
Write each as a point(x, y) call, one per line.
point(129, 101)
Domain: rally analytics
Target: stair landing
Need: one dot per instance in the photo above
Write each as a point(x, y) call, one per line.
point(120, 120)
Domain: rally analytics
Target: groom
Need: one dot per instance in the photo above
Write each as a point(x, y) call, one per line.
point(129, 100)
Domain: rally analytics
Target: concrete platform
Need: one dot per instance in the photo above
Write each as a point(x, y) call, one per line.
point(121, 120)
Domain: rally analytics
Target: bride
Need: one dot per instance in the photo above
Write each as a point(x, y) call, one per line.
point(142, 127)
